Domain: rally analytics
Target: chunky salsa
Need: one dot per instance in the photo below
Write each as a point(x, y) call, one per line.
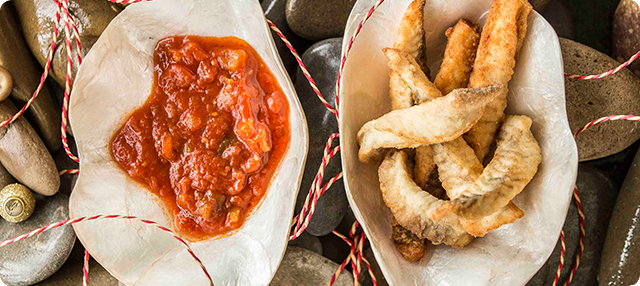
point(211, 134)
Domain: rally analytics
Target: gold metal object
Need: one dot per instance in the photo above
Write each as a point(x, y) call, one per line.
point(16, 203)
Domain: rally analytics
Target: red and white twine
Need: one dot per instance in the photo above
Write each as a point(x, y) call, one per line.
point(301, 221)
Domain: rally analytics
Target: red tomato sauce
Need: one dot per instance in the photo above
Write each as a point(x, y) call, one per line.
point(210, 136)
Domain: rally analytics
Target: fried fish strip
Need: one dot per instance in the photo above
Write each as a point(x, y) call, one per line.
point(410, 40)
point(459, 168)
point(458, 56)
point(413, 207)
point(410, 245)
point(454, 73)
point(408, 70)
point(440, 120)
point(502, 37)
point(404, 65)
point(513, 166)
point(457, 165)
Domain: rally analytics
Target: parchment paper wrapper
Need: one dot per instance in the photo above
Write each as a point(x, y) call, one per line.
point(114, 79)
point(513, 253)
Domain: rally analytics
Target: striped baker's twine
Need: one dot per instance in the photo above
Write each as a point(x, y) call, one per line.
point(356, 243)
point(303, 68)
point(581, 218)
point(69, 172)
point(608, 118)
point(96, 217)
point(67, 87)
point(85, 268)
point(302, 220)
point(608, 73)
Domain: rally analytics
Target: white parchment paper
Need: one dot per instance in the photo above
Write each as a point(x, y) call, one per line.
point(513, 253)
point(115, 78)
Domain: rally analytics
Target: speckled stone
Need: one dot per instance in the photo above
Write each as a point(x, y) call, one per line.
point(301, 267)
point(621, 252)
point(274, 10)
point(308, 242)
point(15, 57)
point(71, 272)
point(591, 99)
point(561, 19)
point(38, 19)
point(322, 60)
point(34, 259)
point(24, 155)
point(598, 195)
point(316, 20)
point(63, 162)
point(626, 32)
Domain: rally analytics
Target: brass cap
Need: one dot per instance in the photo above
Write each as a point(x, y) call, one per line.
point(16, 203)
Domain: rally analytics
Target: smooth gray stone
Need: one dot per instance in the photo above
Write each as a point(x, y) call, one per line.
point(588, 100)
point(597, 193)
point(24, 155)
point(316, 20)
point(621, 253)
point(626, 33)
point(38, 19)
point(274, 10)
point(71, 272)
point(308, 242)
point(34, 259)
point(15, 57)
point(322, 60)
point(301, 267)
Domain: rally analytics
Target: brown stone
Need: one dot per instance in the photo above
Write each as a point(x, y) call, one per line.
point(5, 177)
point(38, 20)
point(626, 33)
point(44, 113)
point(588, 100)
point(25, 156)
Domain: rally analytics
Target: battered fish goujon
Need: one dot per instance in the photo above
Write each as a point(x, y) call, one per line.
point(502, 37)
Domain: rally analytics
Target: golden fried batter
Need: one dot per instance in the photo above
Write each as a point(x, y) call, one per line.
point(514, 164)
point(413, 207)
point(459, 168)
point(440, 120)
point(404, 65)
point(410, 40)
point(502, 37)
point(458, 56)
